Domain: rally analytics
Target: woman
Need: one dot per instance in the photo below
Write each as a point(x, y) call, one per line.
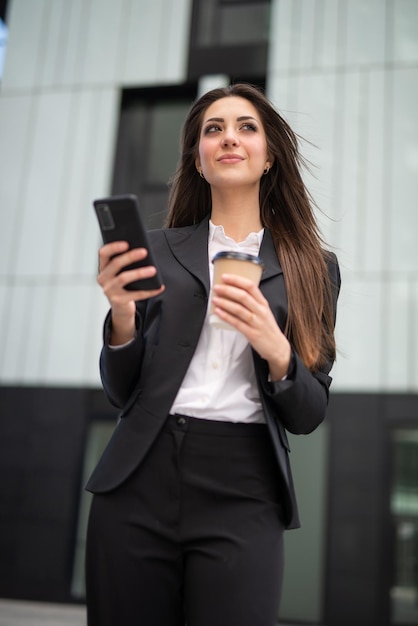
point(194, 490)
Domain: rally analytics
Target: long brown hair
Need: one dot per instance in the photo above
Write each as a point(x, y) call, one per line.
point(286, 210)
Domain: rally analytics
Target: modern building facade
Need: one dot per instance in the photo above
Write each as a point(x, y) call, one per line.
point(92, 98)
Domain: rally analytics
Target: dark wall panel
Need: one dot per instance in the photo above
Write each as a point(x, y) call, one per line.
point(359, 553)
point(42, 438)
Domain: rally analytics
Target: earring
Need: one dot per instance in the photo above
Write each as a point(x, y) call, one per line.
point(266, 170)
point(201, 174)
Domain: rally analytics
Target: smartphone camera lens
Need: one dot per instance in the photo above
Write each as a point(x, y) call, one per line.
point(105, 217)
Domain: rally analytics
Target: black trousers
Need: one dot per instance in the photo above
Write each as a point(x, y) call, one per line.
point(194, 536)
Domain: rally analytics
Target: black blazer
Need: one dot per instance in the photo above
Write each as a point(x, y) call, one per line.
point(144, 377)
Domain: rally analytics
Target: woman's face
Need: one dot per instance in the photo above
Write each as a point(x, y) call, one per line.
point(232, 145)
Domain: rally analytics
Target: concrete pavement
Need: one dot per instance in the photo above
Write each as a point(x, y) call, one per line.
point(23, 613)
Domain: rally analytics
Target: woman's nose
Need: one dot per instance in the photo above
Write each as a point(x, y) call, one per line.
point(230, 138)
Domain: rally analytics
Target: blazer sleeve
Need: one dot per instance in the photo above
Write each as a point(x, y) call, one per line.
point(120, 367)
point(299, 403)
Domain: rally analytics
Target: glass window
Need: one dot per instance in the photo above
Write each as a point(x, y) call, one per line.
point(147, 148)
point(3, 45)
point(98, 436)
point(232, 22)
point(166, 120)
point(229, 37)
point(404, 509)
point(244, 24)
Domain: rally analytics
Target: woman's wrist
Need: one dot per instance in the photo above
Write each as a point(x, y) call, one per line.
point(123, 328)
point(279, 366)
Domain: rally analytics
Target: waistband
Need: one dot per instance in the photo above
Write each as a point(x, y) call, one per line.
point(198, 425)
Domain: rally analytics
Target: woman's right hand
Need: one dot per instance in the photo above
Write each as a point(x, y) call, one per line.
point(121, 300)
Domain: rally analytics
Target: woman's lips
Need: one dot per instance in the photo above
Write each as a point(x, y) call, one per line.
point(230, 158)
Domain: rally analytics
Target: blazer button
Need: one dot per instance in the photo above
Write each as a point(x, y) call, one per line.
point(181, 421)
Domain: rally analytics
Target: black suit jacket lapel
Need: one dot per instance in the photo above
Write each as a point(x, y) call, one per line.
point(269, 257)
point(190, 247)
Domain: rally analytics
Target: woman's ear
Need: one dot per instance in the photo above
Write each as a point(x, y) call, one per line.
point(268, 165)
point(197, 164)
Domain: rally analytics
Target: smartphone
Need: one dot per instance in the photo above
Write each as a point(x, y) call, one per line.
point(120, 220)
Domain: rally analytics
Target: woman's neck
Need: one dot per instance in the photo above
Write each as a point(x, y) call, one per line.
point(238, 213)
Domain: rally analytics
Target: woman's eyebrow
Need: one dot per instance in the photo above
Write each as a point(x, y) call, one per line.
point(239, 119)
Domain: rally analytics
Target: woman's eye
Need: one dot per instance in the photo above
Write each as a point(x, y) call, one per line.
point(212, 128)
point(248, 127)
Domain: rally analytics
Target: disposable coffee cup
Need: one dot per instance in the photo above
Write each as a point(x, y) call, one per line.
point(232, 262)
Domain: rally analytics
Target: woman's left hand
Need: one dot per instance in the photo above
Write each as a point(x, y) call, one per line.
point(240, 302)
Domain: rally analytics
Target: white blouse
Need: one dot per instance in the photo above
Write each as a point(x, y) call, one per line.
point(220, 383)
